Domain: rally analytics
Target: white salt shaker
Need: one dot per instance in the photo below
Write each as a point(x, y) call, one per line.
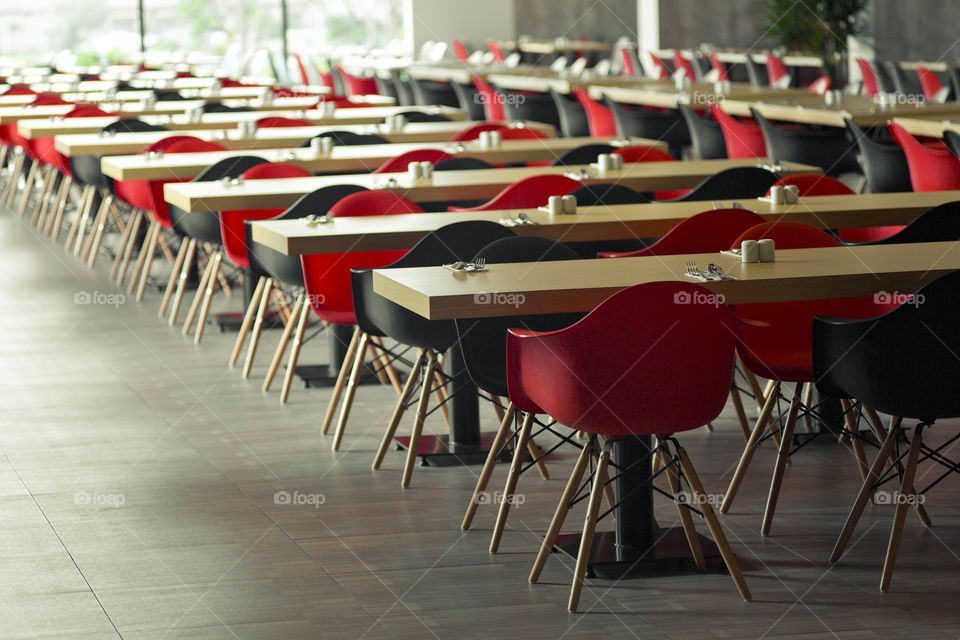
point(555, 205)
point(749, 251)
point(426, 169)
point(495, 139)
point(766, 250)
point(791, 194)
point(414, 171)
point(603, 164)
point(570, 204)
point(776, 195)
point(484, 139)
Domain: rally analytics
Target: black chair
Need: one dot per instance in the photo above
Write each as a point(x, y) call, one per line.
point(195, 228)
point(482, 344)
point(584, 154)
point(535, 107)
point(667, 126)
point(954, 74)
point(348, 138)
point(903, 363)
point(884, 165)
point(459, 241)
point(402, 89)
point(469, 99)
point(952, 140)
point(421, 116)
point(593, 195)
point(385, 87)
point(219, 107)
point(462, 163)
point(757, 73)
point(940, 224)
point(428, 92)
point(573, 119)
point(739, 182)
point(828, 149)
point(907, 84)
point(165, 96)
point(884, 82)
point(706, 136)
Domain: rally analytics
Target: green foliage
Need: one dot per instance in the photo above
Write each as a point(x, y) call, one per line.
point(819, 27)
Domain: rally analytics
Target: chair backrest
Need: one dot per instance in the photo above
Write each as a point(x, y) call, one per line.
point(884, 165)
point(289, 269)
point(673, 328)
point(659, 67)
point(573, 117)
point(414, 115)
point(940, 224)
point(450, 243)
point(756, 73)
point(952, 141)
point(131, 125)
point(821, 85)
point(929, 82)
point(717, 65)
point(680, 62)
point(460, 51)
point(788, 235)
point(643, 153)
point(828, 149)
point(326, 276)
point(599, 118)
point(86, 111)
point(742, 140)
point(869, 78)
point(776, 70)
point(907, 85)
point(667, 126)
point(462, 163)
point(738, 182)
point(47, 99)
point(473, 131)
point(706, 136)
point(814, 184)
point(348, 138)
point(279, 121)
point(399, 163)
point(628, 68)
point(930, 169)
point(468, 100)
point(592, 195)
point(483, 341)
point(704, 232)
point(357, 86)
point(528, 192)
point(496, 50)
point(584, 154)
point(900, 363)
point(521, 133)
point(232, 222)
point(492, 100)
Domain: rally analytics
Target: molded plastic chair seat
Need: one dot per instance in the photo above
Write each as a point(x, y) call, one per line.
point(827, 149)
point(706, 136)
point(279, 121)
point(738, 182)
point(667, 126)
point(884, 165)
point(585, 154)
point(742, 140)
point(705, 232)
point(573, 117)
point(529, 192)
point(399, 163)
point(930, 169)
point(599, 118)
point(939, 224)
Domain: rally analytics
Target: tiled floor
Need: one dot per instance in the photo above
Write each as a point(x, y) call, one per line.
point(137, 483)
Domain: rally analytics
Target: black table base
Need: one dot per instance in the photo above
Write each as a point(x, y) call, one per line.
point(438, 451)
point(669, 554)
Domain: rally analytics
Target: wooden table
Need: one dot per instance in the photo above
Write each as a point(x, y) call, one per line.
point(931, 127)
point(590, 224)
point(350, 158)
point(36, 128)
point(860, 109)
point(580, 285)
point(268, 138)
point(700, 95)
point(736, 56)
point(445, 185)
point(564, 82)
point(15, 112)
point(546, 47)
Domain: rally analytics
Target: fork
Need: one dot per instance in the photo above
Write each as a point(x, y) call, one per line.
point(691, 269)
point(477, 265)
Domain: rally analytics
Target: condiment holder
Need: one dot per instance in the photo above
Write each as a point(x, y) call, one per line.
point(321, 145)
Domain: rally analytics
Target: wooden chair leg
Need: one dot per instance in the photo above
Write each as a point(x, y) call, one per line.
point(52, 230)
point(374, 354)
point(741, 414)
point(295, 351)
point(81, 227)
point(783, 454)
point(428, 378)
point(148, 261)
point(86, 202)
point(124, 256)
point(713, 523)
point(749, 449)
point(399, 408)
point(55, 213)
point(562, 508)
point(866, 490)
point(182, 280)
point(906, 492)
point(488, 466)
point(808, 402)
point(877, 427)
point(92, 250)
point(11, 189)
point(207, 297)
point(124, 240)
point(197, 297)
point(855, 442)
point(148, 241)
point(589, 528)
point(49, 178)
point(174, 276)
point(510, 486)
point(351, 389)
point(282, 345)
point(248, 315)
point(686, 519)
point(257, 328)
point(345, 368)
point(28, 188)
point(608, 491)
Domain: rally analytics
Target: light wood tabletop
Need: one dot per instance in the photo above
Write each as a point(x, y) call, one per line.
point(860, 109)
point(267, 138)
point(347, 158)
point(560, 45)
point(700, 95)
point(562, 82)
point(37, 128)
point(931, 127)
point(736, 56)
point(589, 224)
point(580, 285)
point(447, 185)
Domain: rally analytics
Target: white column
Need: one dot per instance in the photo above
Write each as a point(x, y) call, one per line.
point(648, 25)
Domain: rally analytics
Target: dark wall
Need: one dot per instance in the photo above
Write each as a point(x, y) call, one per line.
point(607, 20)
point(723, 23)
point(916, 29)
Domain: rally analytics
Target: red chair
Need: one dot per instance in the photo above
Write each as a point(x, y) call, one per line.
point(496, 50)
point(629, 67)
point(473, 131)
point(492, 102)
point(326, 278)
point(869, 77)
point(820, 86)
point(599, 118)
point(742, 140)
point(705, 232)
point(521, 133)
point(776, 71)
point(399, 163)
point(529, 192)
point(659, 66)
point(18, 90)
point(232, 227)
point(717, 65)
point(680, 62)
point(782, 352)
point(460, 51)
point(640, 153)
point(930, 82)
point(357, 86)
point(930, 169)
point(301, 68)
point(586, 377)
point(279, 121)
point(48, 99)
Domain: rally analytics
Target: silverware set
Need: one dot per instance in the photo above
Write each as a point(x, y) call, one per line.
point(480, 264)
point(711, 274)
